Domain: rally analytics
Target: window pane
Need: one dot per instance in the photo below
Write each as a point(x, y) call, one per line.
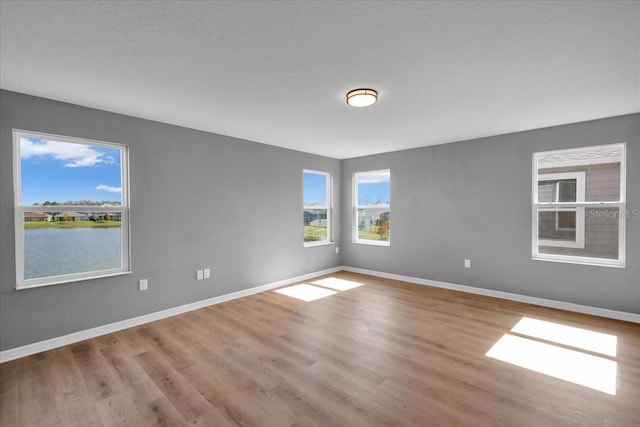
point(566, 220)
point(585, 176)
point(69, 173)
point(550, 225)
point(73, 203)
point(315, 189)
point(545, 191)
point(603, 183)
point(374, 188)
point(563, 190)
point(374, 224)
point(315, 225)
point(59, 243)
point(316, 209)
point(601, 233)
point(372, 201)
point(567, 190)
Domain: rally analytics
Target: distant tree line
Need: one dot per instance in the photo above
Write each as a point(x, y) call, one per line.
point(79, 203)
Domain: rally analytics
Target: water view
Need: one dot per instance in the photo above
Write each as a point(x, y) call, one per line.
point(57, 251)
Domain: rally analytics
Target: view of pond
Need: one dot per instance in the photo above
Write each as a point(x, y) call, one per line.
point(58, 251)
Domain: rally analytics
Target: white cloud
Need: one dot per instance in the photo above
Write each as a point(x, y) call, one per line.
point(74, 155)
point(374, 178)
point(108, 188)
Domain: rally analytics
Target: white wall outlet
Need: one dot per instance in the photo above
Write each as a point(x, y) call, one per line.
point(467, 263)
point(199, 275)
point(207, 273)
point(143, 285)
point(337, 250)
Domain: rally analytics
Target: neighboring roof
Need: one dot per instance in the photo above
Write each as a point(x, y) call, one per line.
point(35, 215)
point(71, 214)
point(582, 156)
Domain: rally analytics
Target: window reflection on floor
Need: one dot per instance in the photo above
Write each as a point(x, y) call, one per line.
point(336, 283)
point(306, 292)
point(318, 288)
point(584, 339)
point(533, 348)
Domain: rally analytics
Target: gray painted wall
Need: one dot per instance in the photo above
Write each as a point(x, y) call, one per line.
point(472, 200)
point(449, 202)
point(177, 174)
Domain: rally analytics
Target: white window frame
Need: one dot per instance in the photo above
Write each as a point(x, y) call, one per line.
point(620, 262)
point(356, 207)
point(580, 192)
point(328, 206)
point(123, 210)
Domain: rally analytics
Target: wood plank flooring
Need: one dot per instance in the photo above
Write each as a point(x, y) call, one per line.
point(385, 353)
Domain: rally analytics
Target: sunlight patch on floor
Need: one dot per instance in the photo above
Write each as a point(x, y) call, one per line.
point(337, 284)
point(319, 288)
point(574, 337)
point(306, 292)
point(532, 348)
point(577, 367)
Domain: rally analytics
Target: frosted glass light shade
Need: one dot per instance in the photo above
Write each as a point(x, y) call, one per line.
point(362, 97)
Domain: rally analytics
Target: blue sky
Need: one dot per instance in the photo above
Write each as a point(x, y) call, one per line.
point(60, 171)
point(315, 190)
point(374, 187)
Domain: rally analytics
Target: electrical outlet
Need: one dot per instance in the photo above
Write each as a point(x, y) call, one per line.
point(337, 250)
point(199, 275)
point(143, 285)
point(207, 273)
point(467, 263)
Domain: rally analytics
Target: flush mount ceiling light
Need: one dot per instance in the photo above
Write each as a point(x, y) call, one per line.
point(362, 97)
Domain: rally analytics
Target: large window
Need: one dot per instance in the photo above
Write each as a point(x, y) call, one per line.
point(372, 207)
point(316, 211)
point(579, 205)
point(72, 211)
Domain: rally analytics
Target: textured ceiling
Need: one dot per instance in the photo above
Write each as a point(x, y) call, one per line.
point(277, 72)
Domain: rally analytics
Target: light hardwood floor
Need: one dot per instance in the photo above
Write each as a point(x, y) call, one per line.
point(384, 353)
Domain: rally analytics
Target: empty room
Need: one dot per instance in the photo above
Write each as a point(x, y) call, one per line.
point(319, 213)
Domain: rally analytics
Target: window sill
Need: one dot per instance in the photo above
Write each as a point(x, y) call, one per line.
point(372, 242)
point(560, 244)
point(62, 280)
point(594, 262)
point(317, 243)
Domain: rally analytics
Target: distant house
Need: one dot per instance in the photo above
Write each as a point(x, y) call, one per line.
point(72, 216)
point(95, 216)
point(313, 215)
point(369, 216)
point(36, 217)
point(102, 216)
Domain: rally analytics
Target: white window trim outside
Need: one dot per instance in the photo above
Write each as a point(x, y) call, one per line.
point(354, 215)
point(123, 209)
point(620, 205)
point(580, 193)
point(328, 206)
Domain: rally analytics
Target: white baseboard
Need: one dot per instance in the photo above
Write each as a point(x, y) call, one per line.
point(595, 311)
point(29, 349)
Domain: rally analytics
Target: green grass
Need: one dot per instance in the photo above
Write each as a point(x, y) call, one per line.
point(70, 224)
point(312, 234)
point(369, 233)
